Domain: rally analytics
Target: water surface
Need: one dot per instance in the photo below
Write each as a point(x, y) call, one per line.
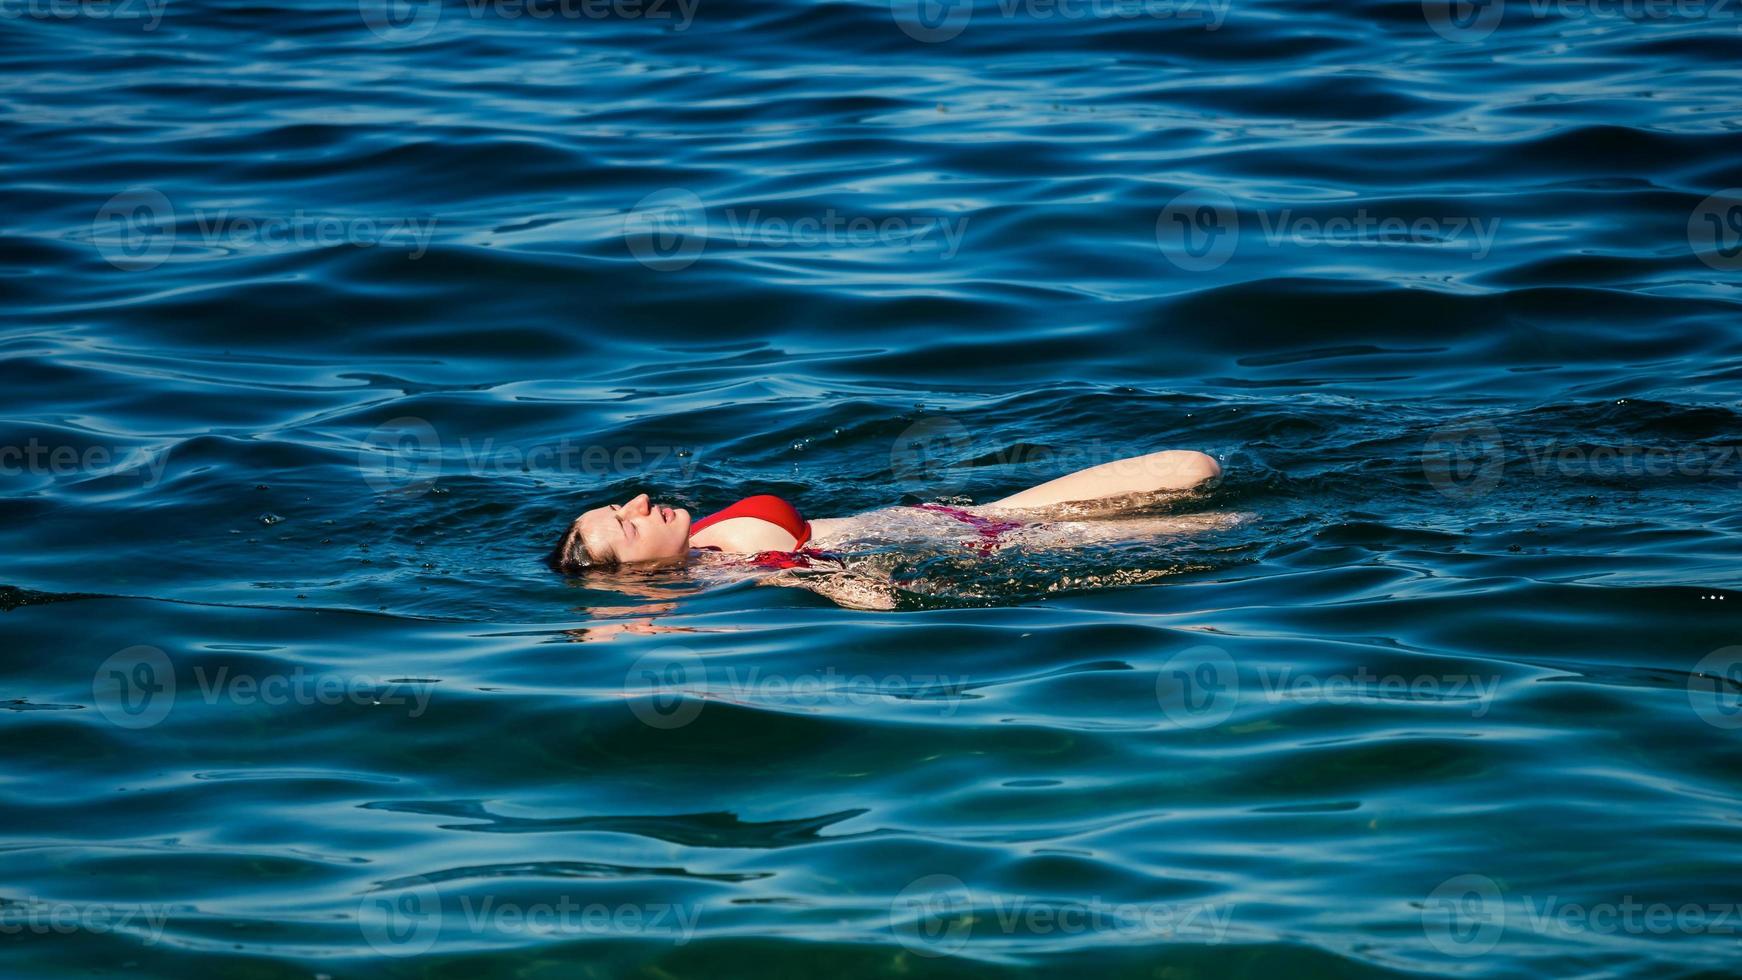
point(321, 320)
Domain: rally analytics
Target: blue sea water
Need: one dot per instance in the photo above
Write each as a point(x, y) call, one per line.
point(321, 319)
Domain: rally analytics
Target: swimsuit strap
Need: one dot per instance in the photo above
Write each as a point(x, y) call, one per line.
point(766, 507)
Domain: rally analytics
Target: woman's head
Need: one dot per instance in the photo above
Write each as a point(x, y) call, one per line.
point(616, 534)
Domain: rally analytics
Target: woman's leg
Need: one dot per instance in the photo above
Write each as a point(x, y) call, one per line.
point(1173, 469)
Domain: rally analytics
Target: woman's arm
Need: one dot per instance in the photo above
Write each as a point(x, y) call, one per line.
point(1173, 469)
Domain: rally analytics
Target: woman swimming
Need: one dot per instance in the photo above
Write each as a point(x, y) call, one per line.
point(766, 534)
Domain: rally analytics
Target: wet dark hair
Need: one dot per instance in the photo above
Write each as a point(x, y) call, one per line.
point(567, 559)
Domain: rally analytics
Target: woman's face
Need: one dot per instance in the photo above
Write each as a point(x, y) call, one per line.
point(634, 531)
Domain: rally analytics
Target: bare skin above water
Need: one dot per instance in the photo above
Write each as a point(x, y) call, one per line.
point(1094, 506)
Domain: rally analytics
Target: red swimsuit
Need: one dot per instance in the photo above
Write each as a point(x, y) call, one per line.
point(765, 507)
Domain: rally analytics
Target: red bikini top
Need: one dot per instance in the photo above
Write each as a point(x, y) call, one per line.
point(765, 507)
